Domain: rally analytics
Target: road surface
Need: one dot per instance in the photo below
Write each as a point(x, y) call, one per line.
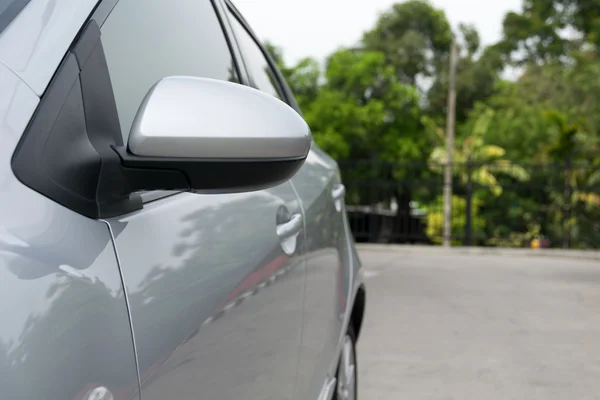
point(442, 325)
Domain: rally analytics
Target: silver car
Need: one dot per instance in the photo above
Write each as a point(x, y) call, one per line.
point(168, 229)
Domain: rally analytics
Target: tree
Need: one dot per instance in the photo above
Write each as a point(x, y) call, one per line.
point(542, 126)
point(476, 76)
point(483, 161)
point(368, 104)
point(369, 120)
point(522, 122)
point(364, 112)
point(360, 111)
point(547, 31)
point(585, 18)
point(576, 195)
point(414, 37)
point(481, 170)
point(435, 220)
point(534, 34)
point(518, 124)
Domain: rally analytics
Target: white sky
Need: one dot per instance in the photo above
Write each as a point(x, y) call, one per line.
point(318, 27)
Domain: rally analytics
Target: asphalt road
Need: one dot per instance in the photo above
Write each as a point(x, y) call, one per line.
point(443, 325)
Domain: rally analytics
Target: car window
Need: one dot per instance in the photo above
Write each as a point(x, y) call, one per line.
point(257, 65)
point(9, 9)
point(147, 40)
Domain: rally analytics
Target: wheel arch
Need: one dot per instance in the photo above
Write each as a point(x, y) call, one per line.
point(358, 310)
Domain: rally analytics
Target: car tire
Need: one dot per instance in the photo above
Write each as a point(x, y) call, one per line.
point(347, 372)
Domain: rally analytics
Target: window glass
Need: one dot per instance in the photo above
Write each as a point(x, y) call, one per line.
point(9, 9)
point(147, 40)
point(258, 68)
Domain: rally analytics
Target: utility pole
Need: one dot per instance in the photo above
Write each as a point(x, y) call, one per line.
point(450, 121)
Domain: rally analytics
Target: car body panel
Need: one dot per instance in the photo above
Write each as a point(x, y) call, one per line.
point(216, 303)
point(217, 307)
point(65, 328)
point(329, 271)
point(36, 41)
point(329, 291)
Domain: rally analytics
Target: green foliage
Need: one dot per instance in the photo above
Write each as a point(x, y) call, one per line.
point(365, 104)
point(364, 112)
point(471, 38)
point(414, 36)
point(535, 33)
point(435, 220)
point(544, 116)
point(519, 125)
point(477, 74)
point(538, 33)
point(585, 18)
point(514, 239)
point(478, 162)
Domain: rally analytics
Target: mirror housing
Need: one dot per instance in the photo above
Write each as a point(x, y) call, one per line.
point(189, 134)
point(212, 136)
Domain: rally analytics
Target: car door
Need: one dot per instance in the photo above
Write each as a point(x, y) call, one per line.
point(328, 271)
point(64, 325)
point(215, 283)
point(328, 263)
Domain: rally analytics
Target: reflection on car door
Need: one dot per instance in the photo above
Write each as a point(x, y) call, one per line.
point(215, 300)
point(64, 326)
point(215, 283)
point(328, 270)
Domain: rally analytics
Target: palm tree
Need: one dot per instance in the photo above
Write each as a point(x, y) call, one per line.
point(483, 161)
point(577, 207)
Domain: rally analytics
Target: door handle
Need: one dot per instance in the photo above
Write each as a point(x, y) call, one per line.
point(290, 228)
point(338, 193)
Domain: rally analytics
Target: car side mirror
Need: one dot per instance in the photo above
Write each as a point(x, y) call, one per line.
point(212, 136)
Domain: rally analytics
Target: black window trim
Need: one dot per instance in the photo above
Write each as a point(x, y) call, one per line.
point(234, 48)
point(234, 13)
point(103, 10)
point(99, 188)
point(282, 86)
point(101, 14)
